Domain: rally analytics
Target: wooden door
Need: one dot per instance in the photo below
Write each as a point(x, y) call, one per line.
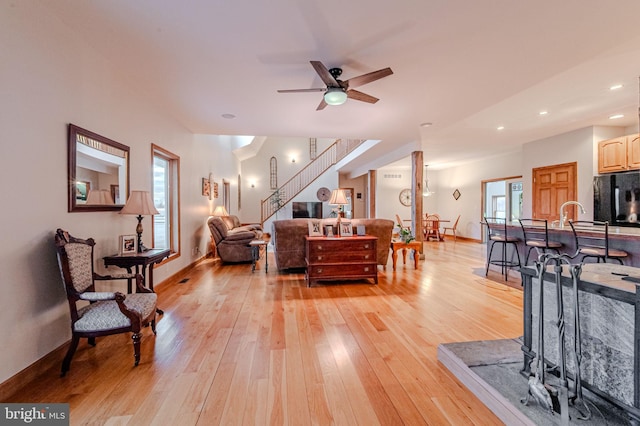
point(552, 186)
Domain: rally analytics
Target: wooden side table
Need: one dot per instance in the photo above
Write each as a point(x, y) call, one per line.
point(256, 245)
point(401, 245)
point(139, 260)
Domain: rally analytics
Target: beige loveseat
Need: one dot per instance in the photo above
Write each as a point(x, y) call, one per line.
point(232, 238)
point(288, 239)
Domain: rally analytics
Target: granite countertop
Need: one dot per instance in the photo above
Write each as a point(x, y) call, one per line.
point(628, 231)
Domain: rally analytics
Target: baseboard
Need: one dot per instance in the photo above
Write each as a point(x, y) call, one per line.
point(51, 361)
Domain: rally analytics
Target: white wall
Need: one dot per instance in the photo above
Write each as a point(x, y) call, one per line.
point(50, 78)
point(467, 179)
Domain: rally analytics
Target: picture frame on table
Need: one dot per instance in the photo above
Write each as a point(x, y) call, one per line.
point(128, 244)
point(346, 230)
point(328, 231)
point(315, 228)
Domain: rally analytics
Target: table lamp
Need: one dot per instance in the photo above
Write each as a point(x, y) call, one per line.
point(101, 197)
point(141, 204)
point(220, 211)
point(338, 198)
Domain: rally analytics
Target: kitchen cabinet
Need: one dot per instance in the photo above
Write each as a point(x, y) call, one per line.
point(619, 154)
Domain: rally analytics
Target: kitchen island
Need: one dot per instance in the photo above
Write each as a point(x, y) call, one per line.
point(622, 238)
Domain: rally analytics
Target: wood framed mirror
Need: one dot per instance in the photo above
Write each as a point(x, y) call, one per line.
point(98, 174)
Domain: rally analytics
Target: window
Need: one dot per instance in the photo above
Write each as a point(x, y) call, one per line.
point(166, 197)
point(273, 173)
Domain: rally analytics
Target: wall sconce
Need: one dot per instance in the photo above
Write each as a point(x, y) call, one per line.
point(253, 185)
point(293, 159)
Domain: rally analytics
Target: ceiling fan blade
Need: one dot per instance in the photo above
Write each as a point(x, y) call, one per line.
point(302, 90)
point(369, 77)
point(322, 105)
point(359, 96)
point(324, 74)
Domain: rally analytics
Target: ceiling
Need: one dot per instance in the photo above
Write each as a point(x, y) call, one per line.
point(465, 66)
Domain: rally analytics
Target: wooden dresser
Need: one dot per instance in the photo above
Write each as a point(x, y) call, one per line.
point(344, 258)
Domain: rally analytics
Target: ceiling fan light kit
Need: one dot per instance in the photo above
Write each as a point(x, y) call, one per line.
point(338, 91)
point(335, 96)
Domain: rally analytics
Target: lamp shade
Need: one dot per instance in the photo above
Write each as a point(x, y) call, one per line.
point(99, 197)
point(338, 198)
point(220, 211)
point(335, 96)
point(139, 203)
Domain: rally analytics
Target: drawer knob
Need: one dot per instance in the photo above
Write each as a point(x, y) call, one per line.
point(319, 257)
point(366, 246)
point(366, 256)
point(319, 247)
point(319, 270)
point(366, 269)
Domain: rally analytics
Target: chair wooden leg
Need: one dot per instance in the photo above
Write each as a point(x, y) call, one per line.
point(66, 363)
point(136, 337)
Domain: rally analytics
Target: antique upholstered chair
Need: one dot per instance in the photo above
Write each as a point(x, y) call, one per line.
point(95, 313)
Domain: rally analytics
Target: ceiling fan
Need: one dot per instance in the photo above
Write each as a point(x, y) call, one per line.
point(337, 91)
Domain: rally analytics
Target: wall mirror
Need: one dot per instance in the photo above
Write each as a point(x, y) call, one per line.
point(98, 172)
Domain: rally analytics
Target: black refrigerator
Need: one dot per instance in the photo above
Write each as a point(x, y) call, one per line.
point(616, 198)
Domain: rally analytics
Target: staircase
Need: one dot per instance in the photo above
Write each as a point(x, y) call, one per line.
point(329, 157)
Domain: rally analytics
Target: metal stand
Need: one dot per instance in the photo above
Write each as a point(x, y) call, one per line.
point(556, 398)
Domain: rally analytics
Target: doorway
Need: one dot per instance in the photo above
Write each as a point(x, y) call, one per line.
point(502, 198)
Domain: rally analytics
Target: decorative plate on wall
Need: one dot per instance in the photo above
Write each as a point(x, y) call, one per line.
point(405, 197)
point(323, 194)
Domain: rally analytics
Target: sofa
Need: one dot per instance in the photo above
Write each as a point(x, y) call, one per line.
point(232, 238)
point(288, 235)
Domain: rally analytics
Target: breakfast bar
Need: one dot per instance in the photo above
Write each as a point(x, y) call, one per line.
point(622, 238)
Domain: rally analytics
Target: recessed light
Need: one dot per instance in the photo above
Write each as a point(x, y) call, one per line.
point(426, 124)
point(543, 112)
point(500, 128)
point(613, 117)
point(615, 87)
point(228, 116)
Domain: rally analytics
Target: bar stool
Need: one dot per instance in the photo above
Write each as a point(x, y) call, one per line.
point(497, 228)
point(593, 242)
point(536, 236)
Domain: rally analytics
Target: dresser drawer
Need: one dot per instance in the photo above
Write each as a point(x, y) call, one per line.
point(339, 256)
point(342, 270)
point(342, 245)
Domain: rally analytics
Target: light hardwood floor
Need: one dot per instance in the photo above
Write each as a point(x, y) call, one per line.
point(236, 347)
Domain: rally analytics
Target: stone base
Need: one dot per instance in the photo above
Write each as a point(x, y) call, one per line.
point(491, 370)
